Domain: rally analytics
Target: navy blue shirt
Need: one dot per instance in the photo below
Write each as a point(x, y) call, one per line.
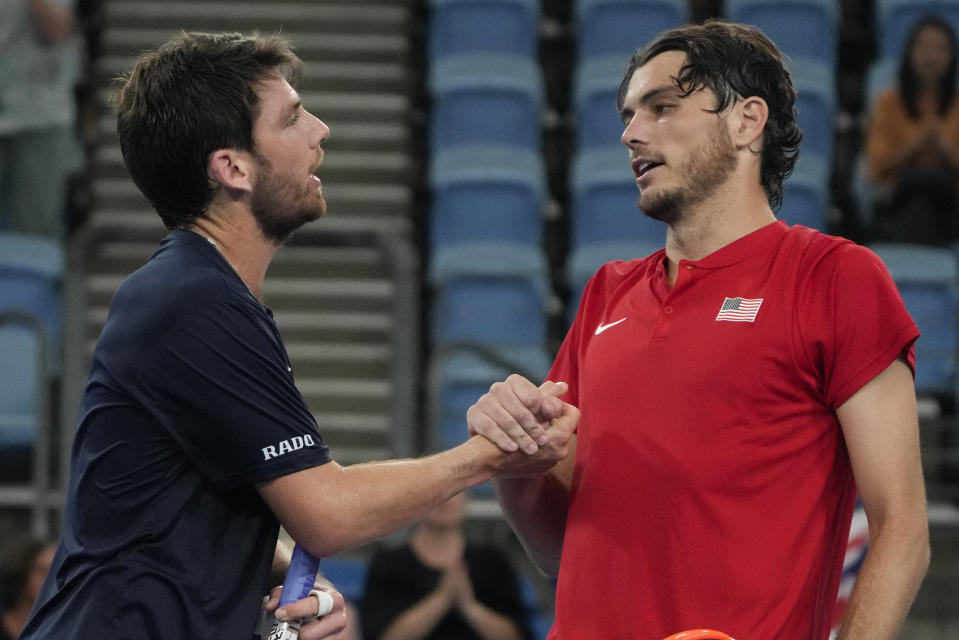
point(190, 402)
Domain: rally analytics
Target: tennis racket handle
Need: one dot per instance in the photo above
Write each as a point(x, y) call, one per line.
point(300, 576)
point(290, 630)
point(299, 581)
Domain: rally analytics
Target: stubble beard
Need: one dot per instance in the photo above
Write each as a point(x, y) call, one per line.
point(704, 172)
point(282, 205)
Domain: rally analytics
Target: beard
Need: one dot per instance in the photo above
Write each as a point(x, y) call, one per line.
point(282, 203)
point(704, 171)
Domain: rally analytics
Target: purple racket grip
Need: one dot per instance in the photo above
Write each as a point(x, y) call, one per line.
point(300, 577)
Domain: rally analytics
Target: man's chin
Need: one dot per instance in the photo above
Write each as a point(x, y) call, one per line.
point(663, 207)
point(279, 231)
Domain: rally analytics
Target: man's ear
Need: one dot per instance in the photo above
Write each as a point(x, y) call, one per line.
point(748, 130)
point(232, 169)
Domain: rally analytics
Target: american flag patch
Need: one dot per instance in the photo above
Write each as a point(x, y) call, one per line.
point(739, 309)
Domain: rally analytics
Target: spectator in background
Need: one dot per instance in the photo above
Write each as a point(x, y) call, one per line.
point(40, 62)
point(24, 562)
point(912, 142)
point(440, 587)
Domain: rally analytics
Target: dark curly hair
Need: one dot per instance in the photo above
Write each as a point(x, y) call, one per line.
point(735, 60)
point(192, 96)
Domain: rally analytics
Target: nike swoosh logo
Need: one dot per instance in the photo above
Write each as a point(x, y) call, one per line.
point(603, 327)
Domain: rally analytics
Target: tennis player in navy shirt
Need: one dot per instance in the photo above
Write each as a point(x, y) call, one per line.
point(193, 443)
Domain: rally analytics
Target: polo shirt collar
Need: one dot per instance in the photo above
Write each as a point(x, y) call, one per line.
point(749, 246)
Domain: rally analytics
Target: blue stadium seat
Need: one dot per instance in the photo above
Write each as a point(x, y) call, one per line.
point(491, 293)
point(619, 27)
point(468, 26)
point(31, 268)
point(800, 28)
point(22, 381)
point(348, 575)
point(492, 193)
point(816, 107)
point(604, 200)
point(806, 198)
point(596, 87)
point(485, 98)
point(896, 18)
point(25, 438)
point(928, 280)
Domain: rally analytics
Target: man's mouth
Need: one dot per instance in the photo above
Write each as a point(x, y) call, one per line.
point(315, 178)
point(642, 167)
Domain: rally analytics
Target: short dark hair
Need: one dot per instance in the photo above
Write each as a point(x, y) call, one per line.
point(16, 562)
point(192, 96)
point(733, 60)
point(909, 82)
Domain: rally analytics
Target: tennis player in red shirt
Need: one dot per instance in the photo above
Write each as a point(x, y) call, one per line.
point(736, 387)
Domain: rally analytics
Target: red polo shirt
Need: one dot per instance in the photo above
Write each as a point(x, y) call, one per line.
point(712, 487)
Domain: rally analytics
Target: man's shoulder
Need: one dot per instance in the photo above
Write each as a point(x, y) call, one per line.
point(179, 274)
point(816, 245)
point(176, 284)
point(616, 270)
point(825, 256)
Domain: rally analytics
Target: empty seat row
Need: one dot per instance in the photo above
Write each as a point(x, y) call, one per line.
point(31, 269)
point(803, 28)
point(488, 98)
point(488, 272)
point(928, 280)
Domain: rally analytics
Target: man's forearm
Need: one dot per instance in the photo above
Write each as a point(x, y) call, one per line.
point(887, 583)
point(329, 508)
point(536, 510)
point(392, 494)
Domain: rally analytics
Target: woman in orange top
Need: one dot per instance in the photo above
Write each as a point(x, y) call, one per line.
point(912, 142)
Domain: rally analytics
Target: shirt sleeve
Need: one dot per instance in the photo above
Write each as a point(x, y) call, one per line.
point(855, 322)
point(220, 384)
point(566, 363)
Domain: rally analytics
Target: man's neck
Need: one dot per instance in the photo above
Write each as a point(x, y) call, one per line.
point(713, 225)
point(239, 240)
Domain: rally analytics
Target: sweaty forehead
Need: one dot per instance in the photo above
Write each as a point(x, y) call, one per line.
point(658, 72)
point(277, 99)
